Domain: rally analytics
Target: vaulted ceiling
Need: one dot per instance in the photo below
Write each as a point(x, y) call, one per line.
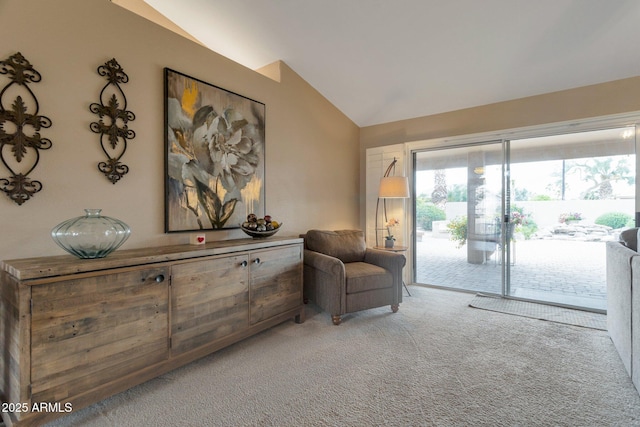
point(381, 60)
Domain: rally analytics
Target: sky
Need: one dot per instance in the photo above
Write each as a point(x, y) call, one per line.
point(536, 177)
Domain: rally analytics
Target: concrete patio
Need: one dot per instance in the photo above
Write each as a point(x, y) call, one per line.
point(566, 272)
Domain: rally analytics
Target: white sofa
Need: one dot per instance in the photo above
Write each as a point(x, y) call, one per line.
point(623, 300)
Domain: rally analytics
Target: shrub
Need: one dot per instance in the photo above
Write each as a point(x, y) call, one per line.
point(614, 219)
point(458, 228)
point(570, 216)
point(523, 222)
point(426, 213)
point(528, 229)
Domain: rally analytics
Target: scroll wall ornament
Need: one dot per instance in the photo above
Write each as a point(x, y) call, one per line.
point(20, 125)
point(112, 126)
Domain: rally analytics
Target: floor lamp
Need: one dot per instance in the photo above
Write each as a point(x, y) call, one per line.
point(391, 187)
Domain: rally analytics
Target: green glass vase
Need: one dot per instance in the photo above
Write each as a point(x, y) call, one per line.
point(92, 235)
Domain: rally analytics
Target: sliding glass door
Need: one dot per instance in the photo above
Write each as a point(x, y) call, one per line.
point(569, 195)
point(458, 207)
point(525, 218)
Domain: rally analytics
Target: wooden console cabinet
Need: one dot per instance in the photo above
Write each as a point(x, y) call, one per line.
point(75, 331)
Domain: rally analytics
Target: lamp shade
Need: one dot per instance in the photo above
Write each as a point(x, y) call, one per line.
point(394, 187)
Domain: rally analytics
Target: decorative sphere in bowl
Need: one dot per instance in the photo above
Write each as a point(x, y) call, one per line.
point(260, 227)
point(260, 234)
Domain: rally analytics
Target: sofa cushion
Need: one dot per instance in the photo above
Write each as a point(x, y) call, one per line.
point(346, 245)
point(629, 238)
point(362, 277)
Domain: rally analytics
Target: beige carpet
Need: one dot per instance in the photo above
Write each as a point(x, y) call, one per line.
point(437, 362)
point(541, 311)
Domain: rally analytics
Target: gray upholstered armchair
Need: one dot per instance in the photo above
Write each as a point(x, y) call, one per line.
point(342, 275)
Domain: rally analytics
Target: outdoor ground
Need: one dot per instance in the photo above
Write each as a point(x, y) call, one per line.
point(561, 271)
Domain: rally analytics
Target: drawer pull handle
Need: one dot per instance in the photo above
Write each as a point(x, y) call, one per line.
point(244, 263)
point(160, 278)
point(256, 261)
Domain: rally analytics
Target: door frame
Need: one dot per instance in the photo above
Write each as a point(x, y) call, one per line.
point(573, 126)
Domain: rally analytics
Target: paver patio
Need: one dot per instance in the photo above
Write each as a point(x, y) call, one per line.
point(566, 272)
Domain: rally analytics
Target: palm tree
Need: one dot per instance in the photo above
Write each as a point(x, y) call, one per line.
point(602, 173)
point(439, 194)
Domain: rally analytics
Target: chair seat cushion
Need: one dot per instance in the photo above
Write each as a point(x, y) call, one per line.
point(362, 277)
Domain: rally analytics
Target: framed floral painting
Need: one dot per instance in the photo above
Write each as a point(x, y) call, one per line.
point(214, 155)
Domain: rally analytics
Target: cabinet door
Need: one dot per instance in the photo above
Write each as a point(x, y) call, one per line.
point(96, 329)
point(209, 300)
point(276, 281)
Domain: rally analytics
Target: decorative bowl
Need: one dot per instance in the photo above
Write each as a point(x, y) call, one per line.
point(261, 234)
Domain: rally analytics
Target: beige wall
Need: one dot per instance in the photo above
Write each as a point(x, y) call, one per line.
point(590, 101)
point(311, 147)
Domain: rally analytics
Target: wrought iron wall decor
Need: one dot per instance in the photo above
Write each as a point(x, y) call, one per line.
point(112, 126)
point(20, 126)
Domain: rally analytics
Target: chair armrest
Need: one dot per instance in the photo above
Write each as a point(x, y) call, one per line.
point(392, 261)
point(619, 299)
point(324, 263)
point(325, 281)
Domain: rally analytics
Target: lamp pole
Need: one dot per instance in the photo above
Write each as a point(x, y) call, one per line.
point(384, 200)
point(390, 187)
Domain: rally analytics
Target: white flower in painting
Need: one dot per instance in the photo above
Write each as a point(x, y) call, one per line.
point(213, 155)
